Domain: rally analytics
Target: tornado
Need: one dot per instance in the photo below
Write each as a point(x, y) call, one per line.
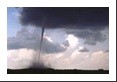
point(43, 28)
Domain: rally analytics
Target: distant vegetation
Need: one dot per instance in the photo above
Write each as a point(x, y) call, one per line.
point(56, 71)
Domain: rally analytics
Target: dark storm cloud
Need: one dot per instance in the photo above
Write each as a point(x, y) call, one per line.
point(66, 17)
point(84, 50)
point(90, 37)
point(25, 39)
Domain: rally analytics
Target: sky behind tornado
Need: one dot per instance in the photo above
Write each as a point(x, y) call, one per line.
point(74, 37)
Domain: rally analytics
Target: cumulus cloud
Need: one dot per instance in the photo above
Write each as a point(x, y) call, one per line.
point(25, 58)
point(79, 60)
point(73, 41)
point(30, 39)
point(89, 37)
point(97, 60)
point(20, 58)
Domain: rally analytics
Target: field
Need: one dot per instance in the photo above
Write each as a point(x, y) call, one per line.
point(56, 71)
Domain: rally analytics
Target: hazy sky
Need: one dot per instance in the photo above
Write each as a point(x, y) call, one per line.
point(74, 38)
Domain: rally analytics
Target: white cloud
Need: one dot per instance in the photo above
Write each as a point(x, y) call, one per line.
point(98, 60)
point(24, 58)
point(73, 41)
point(78, 60)
point(20, 58)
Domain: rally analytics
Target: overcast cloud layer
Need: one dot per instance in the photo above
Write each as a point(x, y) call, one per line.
point(61, 17)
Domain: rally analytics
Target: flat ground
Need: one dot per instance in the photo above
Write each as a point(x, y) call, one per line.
point(53, 71)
